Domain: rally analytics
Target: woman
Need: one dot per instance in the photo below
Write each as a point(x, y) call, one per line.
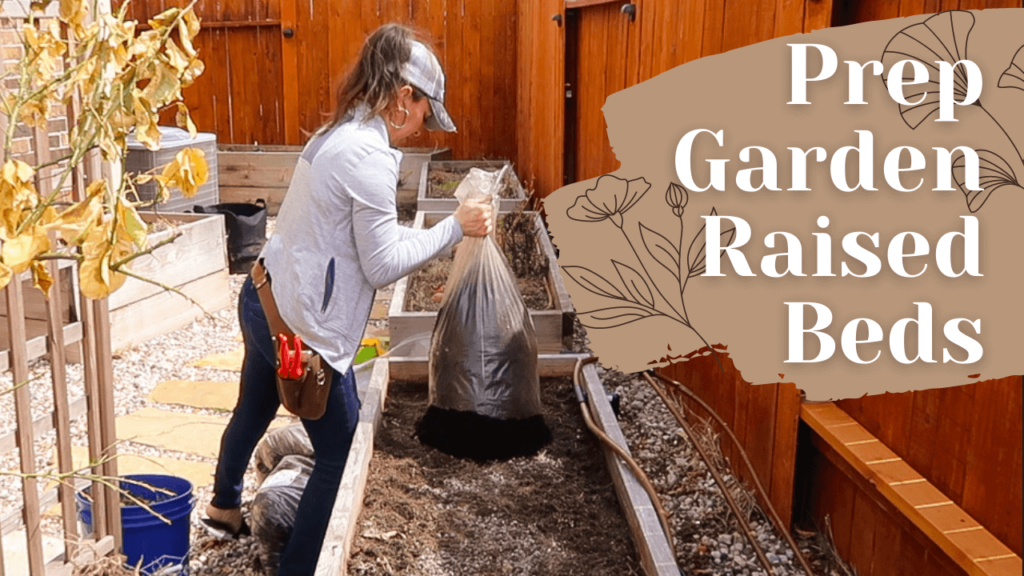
point(337, 240)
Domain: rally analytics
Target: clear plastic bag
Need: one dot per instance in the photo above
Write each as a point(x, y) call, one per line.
point(274, 507)
point(484, 386)
point(290, 440)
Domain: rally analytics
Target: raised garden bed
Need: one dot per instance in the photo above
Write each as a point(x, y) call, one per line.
point(439, 180)
point(416, 300)
point(411, 170)
point(425, 512)
point(196, 263)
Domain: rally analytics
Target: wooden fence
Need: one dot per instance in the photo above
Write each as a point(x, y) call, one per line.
point(34, 328)
point(274, 64)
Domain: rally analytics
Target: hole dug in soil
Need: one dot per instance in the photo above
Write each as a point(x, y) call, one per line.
point(430, 514)
point(523, 250)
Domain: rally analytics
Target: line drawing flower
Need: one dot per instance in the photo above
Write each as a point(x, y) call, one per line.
point(944, 37)
point(631, 291)
point(610, 198)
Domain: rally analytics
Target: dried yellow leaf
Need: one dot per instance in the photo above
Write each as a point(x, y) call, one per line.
point(130, 225)
point(5, 275)
point(184, 119)
point(35, 112)
point(19, 252)
point(17, 193)
point(163, 87)
point(97, 279)
point(188, 171)
point(41, 278)
point(73, 12)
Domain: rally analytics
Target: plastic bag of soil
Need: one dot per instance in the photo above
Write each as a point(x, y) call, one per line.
point(484, 387)
point(274, 506)
point(290, 440)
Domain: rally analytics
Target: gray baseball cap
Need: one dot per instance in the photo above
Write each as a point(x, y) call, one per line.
point(424, 72)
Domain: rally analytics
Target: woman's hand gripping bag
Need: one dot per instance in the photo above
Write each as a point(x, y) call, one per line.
point(484, 386)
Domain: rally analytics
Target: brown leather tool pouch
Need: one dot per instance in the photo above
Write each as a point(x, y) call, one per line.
point(306, 396)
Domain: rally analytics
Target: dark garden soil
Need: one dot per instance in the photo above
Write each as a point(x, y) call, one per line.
point(426, 288)
point(518, 240)
point(430, 514)
point(442, 183)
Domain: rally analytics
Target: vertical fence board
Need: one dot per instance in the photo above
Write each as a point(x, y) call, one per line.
point(862, 537)
point(92, 393)
point(923, 431)
point(783, 473)
point(714, 22)
point(761, 407)
point(312, 43)
point(693, 30)
point(61, 412)
point(649, 20)
point(108, 434)
point(818, 15)
point(789, 18)
point(23, 418)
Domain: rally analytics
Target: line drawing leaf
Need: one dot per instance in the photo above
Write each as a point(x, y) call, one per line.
point(1013, 77)
point(635, 284)
point(661, 249)
point(593, 282)
point(942, 37)
point(613, 317)
point(993, 173)
point(698, 262)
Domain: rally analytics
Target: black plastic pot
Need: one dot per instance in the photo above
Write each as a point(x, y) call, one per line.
point(247, 231)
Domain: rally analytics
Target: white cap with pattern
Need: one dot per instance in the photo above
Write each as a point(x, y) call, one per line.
point(424, 72)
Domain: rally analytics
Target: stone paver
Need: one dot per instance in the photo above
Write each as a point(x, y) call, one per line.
point(230, 361)
point(190, 433)
point(209, 395)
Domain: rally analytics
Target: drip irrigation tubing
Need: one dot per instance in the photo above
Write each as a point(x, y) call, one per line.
point(776, 520)
point(641, 476)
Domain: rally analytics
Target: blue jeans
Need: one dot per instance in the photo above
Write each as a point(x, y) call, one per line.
point(258, 402)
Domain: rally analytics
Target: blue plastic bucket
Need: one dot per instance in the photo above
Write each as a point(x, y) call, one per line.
point(149, 542)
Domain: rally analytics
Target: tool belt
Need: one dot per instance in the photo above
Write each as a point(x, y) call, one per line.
point(303, 377)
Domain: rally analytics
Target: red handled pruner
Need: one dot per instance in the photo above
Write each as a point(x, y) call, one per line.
point(291, 358)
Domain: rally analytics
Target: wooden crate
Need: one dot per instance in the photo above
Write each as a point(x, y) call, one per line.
point(196, 263)
point(411, 170)
point(449, 205)
point(554, 327)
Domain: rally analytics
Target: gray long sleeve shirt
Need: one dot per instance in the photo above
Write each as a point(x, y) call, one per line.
point(338, 238)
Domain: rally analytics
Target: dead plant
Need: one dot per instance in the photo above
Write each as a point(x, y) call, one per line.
point(112, 565)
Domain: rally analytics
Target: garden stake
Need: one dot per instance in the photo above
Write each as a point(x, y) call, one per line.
point(581, 397)
point(743, 454)
point(751, 537)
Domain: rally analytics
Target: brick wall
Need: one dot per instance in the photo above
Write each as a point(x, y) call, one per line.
point(12, 49)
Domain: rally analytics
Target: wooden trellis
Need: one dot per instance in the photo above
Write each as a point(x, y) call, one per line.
point(71, 322)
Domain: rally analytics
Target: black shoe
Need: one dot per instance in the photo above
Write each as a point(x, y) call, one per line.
point(223, 531)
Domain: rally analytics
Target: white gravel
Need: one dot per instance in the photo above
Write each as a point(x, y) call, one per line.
point(707, 538)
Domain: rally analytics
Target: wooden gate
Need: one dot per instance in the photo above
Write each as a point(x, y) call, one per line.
point(613, 44)
point(247, 95)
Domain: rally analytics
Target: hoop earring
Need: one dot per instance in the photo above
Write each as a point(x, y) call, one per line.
point(404, 120)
